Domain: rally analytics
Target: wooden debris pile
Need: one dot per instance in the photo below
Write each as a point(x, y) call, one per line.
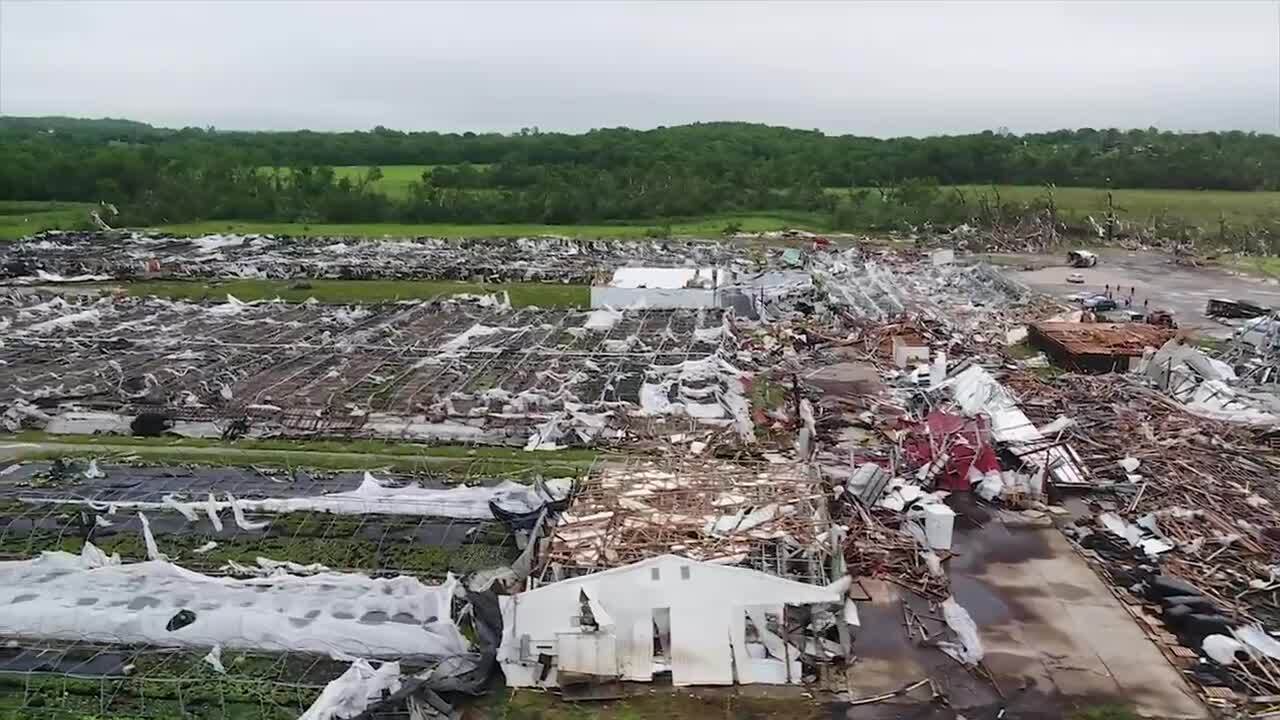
point(876, 548)
point(769, 516)
point(1208, 488)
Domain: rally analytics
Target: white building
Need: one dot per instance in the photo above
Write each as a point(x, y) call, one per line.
point(707, 624)
point(697, 287)
point(659, 288)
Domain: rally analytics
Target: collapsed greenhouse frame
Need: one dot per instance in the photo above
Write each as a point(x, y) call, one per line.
point(470, 371)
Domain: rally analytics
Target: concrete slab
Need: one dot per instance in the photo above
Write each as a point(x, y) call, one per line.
point(887, 659)
point(1054, 634)
point(1155, 279)
point(1050, 625)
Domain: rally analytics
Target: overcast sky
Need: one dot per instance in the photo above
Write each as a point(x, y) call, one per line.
point(859, 67)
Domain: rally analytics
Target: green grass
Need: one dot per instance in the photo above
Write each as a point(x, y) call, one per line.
point(706, 227)
point(664, 703)
point(1266, 266)
point(547, 295)
point(20, 218)
point(453, 460)
point(1104, 712)
point(518, 471)
point(1199, 207)
point(395, 178)
point(371, 446)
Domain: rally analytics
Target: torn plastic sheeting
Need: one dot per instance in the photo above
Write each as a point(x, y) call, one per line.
point(727, 387)
point(214, 658)
point(1139, 535)
point(899, 494)
point(233, 306)
point(464, 339)
point(153, 552)
point(990, 486)
point(1258, 639)
point(237, 511)
point(48, 277)
point(187, 510)
point(352, 692)
point(374, 498)
point(969, 649)
point(602, 319)
point(90, 316)
point(323, 613)
point(1059, 424)
point(266, 567)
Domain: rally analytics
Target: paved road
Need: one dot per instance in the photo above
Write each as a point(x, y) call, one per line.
point(1185, 290)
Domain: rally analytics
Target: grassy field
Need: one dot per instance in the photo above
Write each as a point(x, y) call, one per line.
point(545, 295)
point(1264, 266)
point(1200, 207)
point(677, 704)
point(395, 178)
point(700, 227)
point(19, 218)
point(454, 460)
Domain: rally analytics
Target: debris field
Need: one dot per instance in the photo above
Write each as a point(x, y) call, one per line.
point(761, 477)
point(58, 256)
point(450, 371)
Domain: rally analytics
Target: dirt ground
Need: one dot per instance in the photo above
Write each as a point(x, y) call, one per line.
point(1155, 279)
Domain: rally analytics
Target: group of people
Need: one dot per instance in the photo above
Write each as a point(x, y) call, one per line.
point(1128, 299)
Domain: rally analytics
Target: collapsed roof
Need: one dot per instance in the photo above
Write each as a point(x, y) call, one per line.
point(446, 370)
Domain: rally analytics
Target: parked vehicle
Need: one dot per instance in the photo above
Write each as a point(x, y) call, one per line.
point(1223, 308)
point(1100, 303)
point(1081, 258)
point(1162, 318)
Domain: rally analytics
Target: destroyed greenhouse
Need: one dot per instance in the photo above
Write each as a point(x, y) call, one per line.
point(835, 468)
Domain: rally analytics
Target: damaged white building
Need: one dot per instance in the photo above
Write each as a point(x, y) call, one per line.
point(706, 624)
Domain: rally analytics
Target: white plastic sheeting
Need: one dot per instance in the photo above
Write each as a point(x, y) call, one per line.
point(1143, 535)
point(670, 278)
point(353, 691)
point(1258, 639)
point(602, 320)
point(710, 389)
point(969, 648)
point(373, 496)
point(653, 298)
point(93, 598)
point(1222, 649)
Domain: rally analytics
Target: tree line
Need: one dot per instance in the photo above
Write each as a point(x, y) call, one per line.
point(156, 175)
